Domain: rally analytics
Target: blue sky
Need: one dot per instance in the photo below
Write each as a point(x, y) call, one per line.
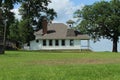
point(77, 2)
point(65, 10)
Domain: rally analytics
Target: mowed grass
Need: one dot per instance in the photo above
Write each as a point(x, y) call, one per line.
point(48, 65)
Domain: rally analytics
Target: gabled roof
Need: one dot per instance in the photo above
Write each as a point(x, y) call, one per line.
point(60, 31)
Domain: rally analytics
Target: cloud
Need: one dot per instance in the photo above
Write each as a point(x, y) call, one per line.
point(16, 12)
point(65, 9)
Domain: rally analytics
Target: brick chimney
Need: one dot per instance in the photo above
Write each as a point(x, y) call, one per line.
point(44, 25)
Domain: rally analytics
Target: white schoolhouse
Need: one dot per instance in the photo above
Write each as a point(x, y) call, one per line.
point(56, 36)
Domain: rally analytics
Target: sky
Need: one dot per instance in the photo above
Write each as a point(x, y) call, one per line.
point(65, 10)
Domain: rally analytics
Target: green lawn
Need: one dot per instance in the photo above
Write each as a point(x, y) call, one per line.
point(24, 65)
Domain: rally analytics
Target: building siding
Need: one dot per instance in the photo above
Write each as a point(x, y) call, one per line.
point(39, 45)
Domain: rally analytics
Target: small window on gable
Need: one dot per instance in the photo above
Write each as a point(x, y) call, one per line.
point(37, 41)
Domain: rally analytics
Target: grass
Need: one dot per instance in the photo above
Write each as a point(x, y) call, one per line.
point(44, 65)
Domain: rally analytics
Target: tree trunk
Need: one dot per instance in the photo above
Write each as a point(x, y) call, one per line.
point(115, 40)
point(1, 49)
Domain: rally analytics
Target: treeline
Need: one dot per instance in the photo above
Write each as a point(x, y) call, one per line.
point(31, 12)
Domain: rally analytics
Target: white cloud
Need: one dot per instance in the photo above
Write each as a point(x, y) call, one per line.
point(16, 12)
point(64, 9)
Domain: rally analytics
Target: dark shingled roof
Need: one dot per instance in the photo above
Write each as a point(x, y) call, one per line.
point(60, 31)
point(70, 33)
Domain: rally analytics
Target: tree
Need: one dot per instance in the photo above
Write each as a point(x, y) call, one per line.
point(32, 11)
point(8, 17)
point(1, 24)
point(1, 32)
point(15, 33)
point(101, 19)
point(25, 31)
point(13, 30)
point(6, 6)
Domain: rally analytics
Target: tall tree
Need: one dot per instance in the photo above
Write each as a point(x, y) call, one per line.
point(13, 30)
point(33, 10)
point(8, 17)
point(1, 32)
point(6, 6)
point(1, 24)
point(25, 31)
point(101, 19)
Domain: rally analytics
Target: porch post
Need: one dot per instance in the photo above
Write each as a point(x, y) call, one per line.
point(88, 44)
point(80, 46)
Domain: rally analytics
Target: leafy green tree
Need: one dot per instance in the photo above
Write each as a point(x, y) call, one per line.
point(6, 6)
point(34, 9)
point(101, 19)
point(25, 31)
point(1, 24)
point(14, 31)
point(32, 12)
point(21, 32)
point(8, 17)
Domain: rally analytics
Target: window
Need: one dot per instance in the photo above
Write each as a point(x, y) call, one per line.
point(71, 42)
point(56, 43)
point(28, 44)
point(50, 42)
point(44, 42)
point(63, 42)
point(37, 41)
